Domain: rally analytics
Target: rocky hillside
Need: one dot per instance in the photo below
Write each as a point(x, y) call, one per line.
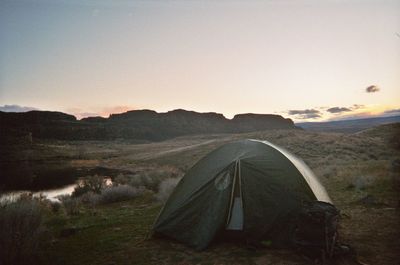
point(138, 124)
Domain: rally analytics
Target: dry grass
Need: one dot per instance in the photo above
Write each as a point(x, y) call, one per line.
point(20, 230)
point(352, 167)
point(119, 193)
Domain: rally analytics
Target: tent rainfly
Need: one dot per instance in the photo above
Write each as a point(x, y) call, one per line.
point(252, 187)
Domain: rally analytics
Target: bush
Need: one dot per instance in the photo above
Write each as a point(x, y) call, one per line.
point(71, 204)
point(90, 198)
point(151, 179)
point(123, 178)
point(108, 194)
point(165, 189)
point(20, 229)
point(55, 207)
point(361, 182)
point(119, 193)
point(90, 184)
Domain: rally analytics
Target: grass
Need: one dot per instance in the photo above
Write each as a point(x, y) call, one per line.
point(351, 167)
point(119, 234)
point(100, 232)
point(20, 231)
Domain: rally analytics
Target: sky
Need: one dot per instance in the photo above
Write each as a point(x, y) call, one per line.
point(309, 60)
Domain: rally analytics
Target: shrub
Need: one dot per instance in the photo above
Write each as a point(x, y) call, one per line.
point(55, 207)
point(90, 198)
point(361, 182)
point(119, 193)
point(165, 189)
point(71, 204)
point(123, 178)
point(151, 179)
point(91, 183)
point(20, 229)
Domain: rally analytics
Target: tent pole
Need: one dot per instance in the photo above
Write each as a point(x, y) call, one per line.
point(232, 193)
point(240, 180)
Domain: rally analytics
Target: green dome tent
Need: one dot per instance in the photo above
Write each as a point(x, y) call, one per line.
point(249, 186)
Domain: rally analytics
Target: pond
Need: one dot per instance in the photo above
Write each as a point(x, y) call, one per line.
point(50, 194)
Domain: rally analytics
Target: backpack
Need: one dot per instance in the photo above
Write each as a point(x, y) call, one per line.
point(315, 233)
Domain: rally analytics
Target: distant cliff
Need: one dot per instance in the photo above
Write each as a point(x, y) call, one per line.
point(137, 124)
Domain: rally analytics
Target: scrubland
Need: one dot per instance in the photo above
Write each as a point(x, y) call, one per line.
point(111, 224)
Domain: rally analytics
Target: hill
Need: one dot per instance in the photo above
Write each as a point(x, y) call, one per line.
point(144, 125)
point(347, 126)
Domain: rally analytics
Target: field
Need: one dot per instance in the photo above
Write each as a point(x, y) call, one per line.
point(360, 172)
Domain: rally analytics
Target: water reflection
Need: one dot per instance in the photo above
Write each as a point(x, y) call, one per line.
point(51, 194)
point(54, 193)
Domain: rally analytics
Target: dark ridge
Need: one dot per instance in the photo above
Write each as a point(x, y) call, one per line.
point(35, 116)
point(136, 124)
point(133, 114)
point(94, 119)
point(257, 122)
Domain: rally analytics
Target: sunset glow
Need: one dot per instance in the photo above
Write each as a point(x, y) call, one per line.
point(92, 58)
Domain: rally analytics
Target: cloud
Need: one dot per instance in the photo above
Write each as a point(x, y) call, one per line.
point(301, 112)
point(338, 110)
point(305, 114)
point(324, 112)
point(310, 116)
point(352, 116)
point(392, 111)
point(355, 111)
point(372, 89)
point(16, 108)
point(357, 106)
